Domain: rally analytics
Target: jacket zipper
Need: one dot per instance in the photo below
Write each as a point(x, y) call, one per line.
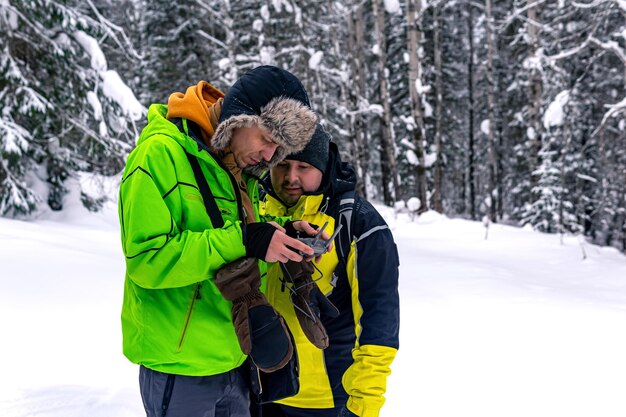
point(196, 296)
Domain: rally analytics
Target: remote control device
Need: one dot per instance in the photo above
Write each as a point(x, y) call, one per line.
point(317, 243)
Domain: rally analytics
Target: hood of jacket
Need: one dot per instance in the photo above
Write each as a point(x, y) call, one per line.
point(201, 104)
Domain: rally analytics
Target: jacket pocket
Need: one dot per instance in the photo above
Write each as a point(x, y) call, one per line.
point(194, 297)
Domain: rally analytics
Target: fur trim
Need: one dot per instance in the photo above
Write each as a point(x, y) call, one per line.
point(224, 133)
point(291, 125)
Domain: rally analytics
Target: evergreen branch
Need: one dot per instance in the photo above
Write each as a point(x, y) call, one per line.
point(590, 5)
point(110, 28)
point(216, 15)
point(212, 39)
point(519, 14)
point(613, 110)
point(611, 46)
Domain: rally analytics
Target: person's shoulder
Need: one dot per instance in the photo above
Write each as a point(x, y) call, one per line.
point(365, 217)
point(366, 211)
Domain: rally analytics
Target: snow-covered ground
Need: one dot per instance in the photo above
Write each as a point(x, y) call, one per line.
point(518, 324)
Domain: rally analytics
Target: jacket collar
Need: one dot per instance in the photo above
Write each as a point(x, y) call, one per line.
point(306, 205)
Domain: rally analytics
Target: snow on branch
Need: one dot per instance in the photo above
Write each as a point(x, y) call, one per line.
point(14, 137)
point(212, 39)
point(519, 14)
point(569, 52)
point(17, 198)
point(611, 46)
point(613, 111)
point(112, 30)
point(555, 113)
point(590, 5)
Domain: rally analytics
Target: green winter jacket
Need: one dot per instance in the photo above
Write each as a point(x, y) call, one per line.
point(174, 319)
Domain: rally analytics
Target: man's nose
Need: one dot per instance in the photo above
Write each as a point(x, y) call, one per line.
point(268, 151)
point(292, 174)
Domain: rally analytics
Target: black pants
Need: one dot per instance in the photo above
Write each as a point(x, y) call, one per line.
point(167, 395)
point(279, 410)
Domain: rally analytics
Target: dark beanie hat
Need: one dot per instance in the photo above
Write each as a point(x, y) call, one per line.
point(273, 98)
point(316, 151)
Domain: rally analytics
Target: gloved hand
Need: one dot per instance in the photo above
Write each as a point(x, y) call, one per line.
point(344, 412)
point(257, 238)
point(261, 331)
point(308, 301)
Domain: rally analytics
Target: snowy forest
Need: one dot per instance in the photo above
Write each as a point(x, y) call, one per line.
point(511, 111)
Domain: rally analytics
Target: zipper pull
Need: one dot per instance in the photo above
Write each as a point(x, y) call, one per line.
point(258, 375)
point(325, 206)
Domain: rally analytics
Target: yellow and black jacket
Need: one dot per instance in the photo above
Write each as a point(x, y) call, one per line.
point(362, 284)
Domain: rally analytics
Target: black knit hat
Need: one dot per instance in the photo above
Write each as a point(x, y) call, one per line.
point(273, 98)
point(316, 151)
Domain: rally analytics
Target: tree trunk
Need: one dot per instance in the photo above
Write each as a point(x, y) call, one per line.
point(414, 39)
point(437, 193)
point(387, 148)
point(535, 85)
point(470, 89)
point(355, 45)
point(491, 100)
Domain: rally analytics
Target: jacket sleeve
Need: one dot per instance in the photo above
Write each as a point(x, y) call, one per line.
point(280, 220)
point(158, 253)
point(373, 274)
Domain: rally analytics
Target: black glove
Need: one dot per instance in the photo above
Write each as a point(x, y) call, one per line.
point(344, 412)
point(257, 238)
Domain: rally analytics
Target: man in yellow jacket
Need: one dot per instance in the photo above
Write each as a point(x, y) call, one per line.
point(359, 276)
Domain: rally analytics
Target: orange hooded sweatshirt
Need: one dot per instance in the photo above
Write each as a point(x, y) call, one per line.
point(202, 104)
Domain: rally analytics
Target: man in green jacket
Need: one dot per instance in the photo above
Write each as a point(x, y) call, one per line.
point(177, 238)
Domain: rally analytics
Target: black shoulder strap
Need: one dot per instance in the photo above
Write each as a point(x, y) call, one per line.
point(343, 241)
point(207, 196)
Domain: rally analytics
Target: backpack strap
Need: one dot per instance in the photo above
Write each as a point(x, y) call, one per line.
point(347, 201)
point(207, 196)
point(203, 186)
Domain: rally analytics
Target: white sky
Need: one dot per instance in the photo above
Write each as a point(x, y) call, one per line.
point(515, 325)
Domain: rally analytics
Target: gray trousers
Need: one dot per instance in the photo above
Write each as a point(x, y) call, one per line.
point(167, 395)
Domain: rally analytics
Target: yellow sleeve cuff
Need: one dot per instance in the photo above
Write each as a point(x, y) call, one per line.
point(365, 381)
point(362, 407)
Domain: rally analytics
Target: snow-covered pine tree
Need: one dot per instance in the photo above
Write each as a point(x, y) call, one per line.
point(174, 53)
point(63, 109)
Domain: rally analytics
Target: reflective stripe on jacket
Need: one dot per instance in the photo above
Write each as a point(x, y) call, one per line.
point(174, 319)
point(364, 338)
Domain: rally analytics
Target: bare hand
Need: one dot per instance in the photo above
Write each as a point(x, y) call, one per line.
point(283, 248)
point(303, 226)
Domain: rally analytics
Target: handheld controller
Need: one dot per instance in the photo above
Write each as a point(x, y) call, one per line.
point(317, 243)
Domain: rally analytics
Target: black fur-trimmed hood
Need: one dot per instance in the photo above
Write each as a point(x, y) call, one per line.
point(275, 99)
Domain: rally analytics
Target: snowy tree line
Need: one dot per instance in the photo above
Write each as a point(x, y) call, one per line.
point(513, 110)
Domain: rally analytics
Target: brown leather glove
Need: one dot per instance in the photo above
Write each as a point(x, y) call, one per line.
point(308, 301)
point(261, 331)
